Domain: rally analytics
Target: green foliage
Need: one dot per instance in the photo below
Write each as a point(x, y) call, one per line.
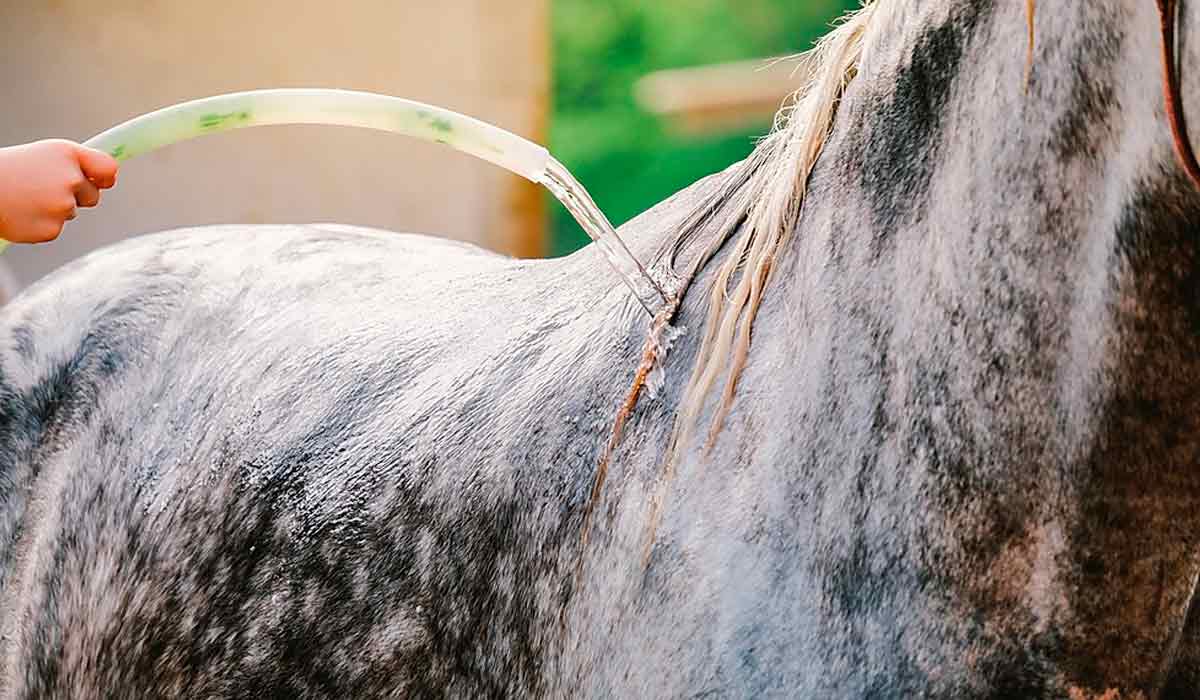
point(624, 156)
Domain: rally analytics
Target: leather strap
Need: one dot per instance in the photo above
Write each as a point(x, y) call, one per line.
point(1172, 91)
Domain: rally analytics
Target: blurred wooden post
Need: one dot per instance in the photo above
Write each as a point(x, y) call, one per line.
point(516, 35)
point(722, 97)
point(71, 70)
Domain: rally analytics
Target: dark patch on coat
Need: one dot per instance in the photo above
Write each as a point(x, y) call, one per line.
point(1085, 118)
point(1139, 488)
point(904, 128)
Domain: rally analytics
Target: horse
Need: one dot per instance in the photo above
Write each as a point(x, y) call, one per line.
point(929, 425)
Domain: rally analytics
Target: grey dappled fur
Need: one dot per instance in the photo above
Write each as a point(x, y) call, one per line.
point(961, 462)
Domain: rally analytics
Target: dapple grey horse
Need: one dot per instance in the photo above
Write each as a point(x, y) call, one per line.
point(961, 460)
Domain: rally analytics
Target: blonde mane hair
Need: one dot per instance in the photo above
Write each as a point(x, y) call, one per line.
point(762, 198)
point(771, 197)
point(775, 194)
point(769, 204)
point(766, 206)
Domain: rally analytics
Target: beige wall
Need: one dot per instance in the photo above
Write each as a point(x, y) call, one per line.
point(72, 68)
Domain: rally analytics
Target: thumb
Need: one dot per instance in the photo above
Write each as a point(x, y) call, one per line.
point(97, 166)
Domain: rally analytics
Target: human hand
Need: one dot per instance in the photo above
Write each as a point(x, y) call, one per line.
point(42, 183)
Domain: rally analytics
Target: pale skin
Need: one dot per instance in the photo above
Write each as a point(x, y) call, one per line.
point(43, 183)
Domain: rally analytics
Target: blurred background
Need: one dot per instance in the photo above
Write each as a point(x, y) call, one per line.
point(651, 96)
point(639, 99)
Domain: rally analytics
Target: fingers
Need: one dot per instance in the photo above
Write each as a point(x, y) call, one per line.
point(60, 177)
point(64, 210)
point(98, 167)
point(87, 194)
point(46, 230)
point(53, 228)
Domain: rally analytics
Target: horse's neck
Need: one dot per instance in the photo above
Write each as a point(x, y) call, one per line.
point(1054, 207)
point(995, 293)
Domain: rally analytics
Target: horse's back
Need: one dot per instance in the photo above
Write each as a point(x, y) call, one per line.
point(218, 449)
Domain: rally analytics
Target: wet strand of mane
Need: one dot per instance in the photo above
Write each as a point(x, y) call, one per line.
point(762, 197)
point(772, 198)
point(1030, 11)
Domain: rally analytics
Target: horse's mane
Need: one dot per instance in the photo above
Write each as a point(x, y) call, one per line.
point(766, 202)
point(759, 202)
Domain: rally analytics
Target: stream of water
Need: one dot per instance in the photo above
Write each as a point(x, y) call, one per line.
point(211, 115)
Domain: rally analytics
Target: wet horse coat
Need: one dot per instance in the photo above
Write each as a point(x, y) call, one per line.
point(961, 460)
